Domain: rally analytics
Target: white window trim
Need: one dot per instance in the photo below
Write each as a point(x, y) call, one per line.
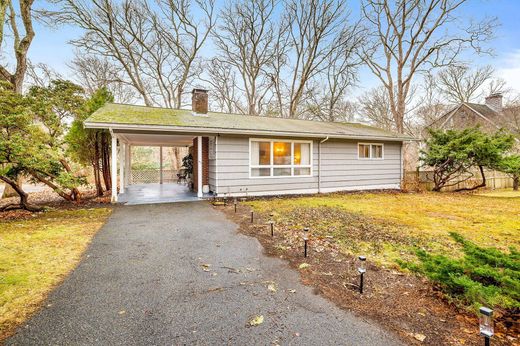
point(371, 158)
point(271, 166)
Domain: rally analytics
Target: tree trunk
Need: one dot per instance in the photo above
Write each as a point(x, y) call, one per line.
point(105, 167)
point(9, 191)
point(516, 182)
point(24, 198)
point(483, 184)
point(95, 166)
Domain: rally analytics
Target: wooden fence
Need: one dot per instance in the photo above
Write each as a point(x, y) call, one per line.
point(150, 176)
point(423, 180)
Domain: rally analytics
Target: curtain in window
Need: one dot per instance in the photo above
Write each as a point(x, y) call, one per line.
point(255, 153)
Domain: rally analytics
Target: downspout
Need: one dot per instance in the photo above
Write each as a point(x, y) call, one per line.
point(319, 162)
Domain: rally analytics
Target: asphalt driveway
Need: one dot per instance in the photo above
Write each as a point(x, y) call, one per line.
point(175, 274)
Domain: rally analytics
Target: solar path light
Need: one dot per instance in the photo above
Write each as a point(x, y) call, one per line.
point(271, 222)
point(486, 324)
point(362, 269)
point(305, 240)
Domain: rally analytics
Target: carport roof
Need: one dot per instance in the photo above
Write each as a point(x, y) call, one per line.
point(142, 118)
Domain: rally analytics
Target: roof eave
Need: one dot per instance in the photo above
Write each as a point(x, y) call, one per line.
point(212, 130)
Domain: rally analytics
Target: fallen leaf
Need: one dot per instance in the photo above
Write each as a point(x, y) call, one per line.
point(419, 337)
point(122, 312)
point(292, 291)
point(304, 265)
point(271, 287)
point(257, 320)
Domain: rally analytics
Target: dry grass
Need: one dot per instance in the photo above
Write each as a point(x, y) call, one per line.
point(36, 254)
point(501, 193)
point(393, 224)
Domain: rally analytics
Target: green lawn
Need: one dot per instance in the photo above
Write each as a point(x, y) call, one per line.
point(395, 228)
point(36, 254)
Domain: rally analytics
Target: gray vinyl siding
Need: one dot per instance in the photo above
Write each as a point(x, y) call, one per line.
point(341, 169)
point(212, 169)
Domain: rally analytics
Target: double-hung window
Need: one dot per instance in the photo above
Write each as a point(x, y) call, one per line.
point(280, 158)
point(370, 151)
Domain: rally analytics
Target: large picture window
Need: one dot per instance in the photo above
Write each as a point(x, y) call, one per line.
point(370, 151)
point(280, 158)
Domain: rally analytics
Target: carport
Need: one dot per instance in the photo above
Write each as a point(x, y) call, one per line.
point(148, 193)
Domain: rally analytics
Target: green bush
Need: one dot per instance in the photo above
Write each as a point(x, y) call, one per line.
point(483, 276)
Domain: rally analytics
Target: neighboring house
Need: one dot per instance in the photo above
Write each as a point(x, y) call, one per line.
point(491, 116)
point(239, 155)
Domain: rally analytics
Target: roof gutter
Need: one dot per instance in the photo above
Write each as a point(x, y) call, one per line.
point(319, 162)
point(205, 130)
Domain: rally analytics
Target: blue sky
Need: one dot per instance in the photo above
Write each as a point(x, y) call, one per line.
point(50, 45)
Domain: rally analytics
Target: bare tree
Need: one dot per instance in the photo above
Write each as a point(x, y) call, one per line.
point(94, 72)
point(431, 105)
point(246, 40)
point(498, 86)
point(409, 37)
point(185, 36)
point(375, 108)
point(40, 75)
point(329, 103)
point(153, 47)
point(23, 34)
point(223, 81)
point(458, 83)
point(316, 31)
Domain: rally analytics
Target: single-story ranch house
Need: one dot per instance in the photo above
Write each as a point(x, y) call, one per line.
point(238, 155)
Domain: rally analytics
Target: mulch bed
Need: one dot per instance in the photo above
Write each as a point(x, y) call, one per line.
point(405, 304)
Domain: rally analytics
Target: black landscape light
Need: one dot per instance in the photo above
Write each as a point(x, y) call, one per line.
point(305, 240)
point(486, 324)
point(271, 222)
point(235, 202)
point(362, 269)
point(252, 216)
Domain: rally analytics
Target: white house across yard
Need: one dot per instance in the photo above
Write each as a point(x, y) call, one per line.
point(239, 156)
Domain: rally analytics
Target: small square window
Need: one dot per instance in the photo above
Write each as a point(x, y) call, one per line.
point(364, 151)
point(370, 151)
point(377, 151)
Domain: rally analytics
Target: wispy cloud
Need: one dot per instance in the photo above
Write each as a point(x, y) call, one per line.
point(508, 68)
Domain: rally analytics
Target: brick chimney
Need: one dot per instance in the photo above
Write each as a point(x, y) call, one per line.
point(199, 101)
point(494, 101)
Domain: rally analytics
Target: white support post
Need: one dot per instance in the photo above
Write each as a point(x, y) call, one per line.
point(199, 166)
point(114, 168)
point(122, 149)
point(160, 165)
point(127, 165)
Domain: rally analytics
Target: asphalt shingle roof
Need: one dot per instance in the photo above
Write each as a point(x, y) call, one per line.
point(120, 116)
